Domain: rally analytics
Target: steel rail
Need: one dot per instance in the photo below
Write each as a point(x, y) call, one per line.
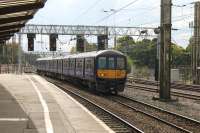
point(154, 117)
point(157, 109)
point(177, 94)
point(178, 86)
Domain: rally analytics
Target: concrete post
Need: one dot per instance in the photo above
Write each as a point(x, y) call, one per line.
point(196, 44)
point(165, 50)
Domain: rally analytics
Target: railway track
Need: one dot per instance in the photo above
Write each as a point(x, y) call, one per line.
point(178, 86)
point(124, 114)
point(113, 121)
point(173, 93)
point(173, 119)
point(175, 86)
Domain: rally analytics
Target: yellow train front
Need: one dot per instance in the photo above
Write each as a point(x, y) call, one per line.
point(111, 72)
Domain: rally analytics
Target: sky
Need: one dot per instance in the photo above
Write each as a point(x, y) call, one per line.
point(143, 13)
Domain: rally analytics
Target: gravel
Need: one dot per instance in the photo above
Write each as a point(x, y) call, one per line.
point(182, 106)
point(141, 121)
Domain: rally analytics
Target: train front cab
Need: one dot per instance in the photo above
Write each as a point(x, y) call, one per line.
point(111, 73)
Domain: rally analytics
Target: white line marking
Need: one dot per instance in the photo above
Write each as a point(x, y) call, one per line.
point(13, 119)
point(48, 124)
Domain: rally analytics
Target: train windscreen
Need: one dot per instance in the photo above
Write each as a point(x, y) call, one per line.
point(120, 63)
point(102, 63)
point(111, 63)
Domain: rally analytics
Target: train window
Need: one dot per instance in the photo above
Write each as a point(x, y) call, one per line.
point(79, 64)
point(120, 63)
point(88, 64)
point(111, 63)
point(72, 64)
point(67, 63)
point(64, 64)
point(102, 63)
point(92, 64)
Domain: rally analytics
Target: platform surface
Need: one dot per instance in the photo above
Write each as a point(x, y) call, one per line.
point(30, 104)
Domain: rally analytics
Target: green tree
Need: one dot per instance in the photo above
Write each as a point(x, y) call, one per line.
point(142, 53)
point(73, 50)
point(91, 47)
point(180, 56)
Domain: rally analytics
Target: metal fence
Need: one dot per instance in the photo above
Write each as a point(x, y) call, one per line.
point(15, 68)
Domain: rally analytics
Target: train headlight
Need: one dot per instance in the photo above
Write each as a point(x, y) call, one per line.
point(102, 75)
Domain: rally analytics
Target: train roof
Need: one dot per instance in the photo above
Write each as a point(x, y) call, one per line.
point(50, 58)
point(57, 58)
point(94, 54)
point(85, 55)
point(42, 59)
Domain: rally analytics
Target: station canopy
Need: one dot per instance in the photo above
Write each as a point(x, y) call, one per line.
point(14, 14)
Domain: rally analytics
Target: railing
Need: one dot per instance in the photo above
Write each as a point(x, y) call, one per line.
point(15, 68)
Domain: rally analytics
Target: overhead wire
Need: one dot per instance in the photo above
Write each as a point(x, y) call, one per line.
point(175, 5)
point(83, 13)
point(88, 9)
point(188, 3)
point(174, 19)
point(116, 11)
point(145, 10)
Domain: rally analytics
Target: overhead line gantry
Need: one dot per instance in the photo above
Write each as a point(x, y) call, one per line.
point(87, 30)
point(102, 33)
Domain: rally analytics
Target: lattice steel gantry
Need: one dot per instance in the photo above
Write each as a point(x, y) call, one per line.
point(86, 30)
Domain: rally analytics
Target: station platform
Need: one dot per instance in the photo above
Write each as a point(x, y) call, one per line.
point(30, 104)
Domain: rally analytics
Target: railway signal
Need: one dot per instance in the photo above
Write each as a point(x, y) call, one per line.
point(52, 41)
point(80, 43)
point(31, 38)
point(102, 42)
